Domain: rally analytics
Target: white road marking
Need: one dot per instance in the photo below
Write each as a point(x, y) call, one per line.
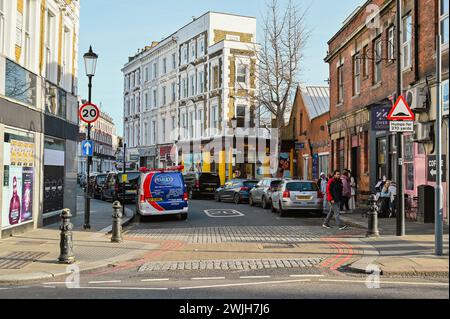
point(247, 284)
point(208, 278)
point(253, 277)
point(123, 288)
point(156, 279)
point(54, 283)
point(299, 276)
point(224, 213)
point(105, 282)
point(389, 282)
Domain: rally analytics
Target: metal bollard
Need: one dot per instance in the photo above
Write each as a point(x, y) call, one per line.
point(66, 255)
point(372, 228)
point(117, 223)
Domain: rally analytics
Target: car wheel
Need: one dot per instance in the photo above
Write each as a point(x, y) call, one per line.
point(183, 216)
point(282, 211)
point(237, 199)
point(273, 208)
point(264, 203)
point(250, 201)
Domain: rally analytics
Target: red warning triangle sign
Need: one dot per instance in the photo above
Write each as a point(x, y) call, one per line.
point(401, 111)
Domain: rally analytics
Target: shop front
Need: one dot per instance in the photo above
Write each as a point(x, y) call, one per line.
point(54, 177)
point(19, 192)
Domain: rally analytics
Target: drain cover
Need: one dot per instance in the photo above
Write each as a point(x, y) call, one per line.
point(20, 259)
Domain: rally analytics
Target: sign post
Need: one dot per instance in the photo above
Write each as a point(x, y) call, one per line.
point(88, 113)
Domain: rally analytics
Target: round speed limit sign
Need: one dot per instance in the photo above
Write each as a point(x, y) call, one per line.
point(89, 113)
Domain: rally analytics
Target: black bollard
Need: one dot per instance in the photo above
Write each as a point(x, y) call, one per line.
point(117, 223)
point(372, 228)
point(66, 244)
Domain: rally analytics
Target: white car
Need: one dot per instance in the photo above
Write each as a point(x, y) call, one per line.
point(297, 195)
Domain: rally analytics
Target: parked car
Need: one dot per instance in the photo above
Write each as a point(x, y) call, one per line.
point(201, 184)
point(82, 180)
point(114, 189)
point(236, 190)
point(96, 184)
point(162, 193)
point(262, 193)
point(297, 195)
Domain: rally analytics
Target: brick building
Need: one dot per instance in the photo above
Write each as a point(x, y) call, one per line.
point(362, 60)
point(307, 132)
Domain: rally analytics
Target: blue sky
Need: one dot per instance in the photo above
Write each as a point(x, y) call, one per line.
point(117, 28)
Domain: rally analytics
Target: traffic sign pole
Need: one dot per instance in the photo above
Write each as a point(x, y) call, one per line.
point(400, 191)
point(87, 199)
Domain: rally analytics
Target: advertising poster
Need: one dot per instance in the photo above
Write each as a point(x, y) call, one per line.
point(284, 166)
point(18, 174)
point(27, 194)
point(12, 195)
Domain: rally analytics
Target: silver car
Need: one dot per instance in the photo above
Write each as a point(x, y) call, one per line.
point(297, 195)
point(262, 193)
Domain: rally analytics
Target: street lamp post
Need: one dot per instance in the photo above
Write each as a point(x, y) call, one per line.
point(234, 126)
point(90, 62)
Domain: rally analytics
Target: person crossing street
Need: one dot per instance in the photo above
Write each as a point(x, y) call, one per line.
point(334, 196)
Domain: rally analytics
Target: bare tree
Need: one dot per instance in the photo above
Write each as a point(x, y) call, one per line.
point(280, 58)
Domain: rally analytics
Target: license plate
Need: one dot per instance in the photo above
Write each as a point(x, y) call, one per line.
point(304, 198)
point(132, 192)
point(209, 189)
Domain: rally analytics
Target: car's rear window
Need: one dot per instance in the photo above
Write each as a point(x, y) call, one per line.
point(250, 183)
point(302, 187)
point(132, 177)
point(275, 184)
point(209, 178)
point(101, 179)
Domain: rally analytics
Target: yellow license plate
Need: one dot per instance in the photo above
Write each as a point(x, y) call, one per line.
point(304, 198)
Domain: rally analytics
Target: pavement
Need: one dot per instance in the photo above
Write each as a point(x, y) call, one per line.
point(410, 255)
point(33, 255)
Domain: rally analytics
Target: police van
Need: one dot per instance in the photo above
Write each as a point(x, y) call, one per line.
point(162, 192)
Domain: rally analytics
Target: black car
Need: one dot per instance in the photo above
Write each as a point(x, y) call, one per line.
point(114, 189)
point(96, 184)
point(236, 190)
point(201, 184)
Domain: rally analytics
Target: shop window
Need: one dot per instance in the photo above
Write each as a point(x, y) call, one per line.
point(381, 151)
point(20, 84)
point(54, 162)
point(18, 178)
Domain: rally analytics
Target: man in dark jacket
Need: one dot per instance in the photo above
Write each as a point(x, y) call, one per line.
point(334, 193)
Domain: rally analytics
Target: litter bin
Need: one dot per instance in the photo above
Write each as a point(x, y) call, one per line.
point(426, 204)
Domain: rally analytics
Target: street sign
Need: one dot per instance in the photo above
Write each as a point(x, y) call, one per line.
point(379, 118)
point(89, 113)
point(401, 126)
point(87, 148)
point(432, 169)
point(401, 111)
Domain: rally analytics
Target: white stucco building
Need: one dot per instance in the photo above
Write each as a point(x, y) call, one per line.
point(38, 111)
point(182, 92)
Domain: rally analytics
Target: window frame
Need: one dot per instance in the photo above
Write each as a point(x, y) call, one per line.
point(2, 25)
point(357, 74)
point(407, 42)
point(390, 44)
point(340, 76)
point(377, 60)
point(442, 18)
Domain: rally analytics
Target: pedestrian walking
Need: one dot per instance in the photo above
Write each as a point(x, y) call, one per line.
point(346, 192)
point(334, 196)
point(323, 183)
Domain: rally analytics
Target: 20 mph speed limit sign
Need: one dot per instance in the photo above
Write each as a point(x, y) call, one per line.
point(89, 113)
